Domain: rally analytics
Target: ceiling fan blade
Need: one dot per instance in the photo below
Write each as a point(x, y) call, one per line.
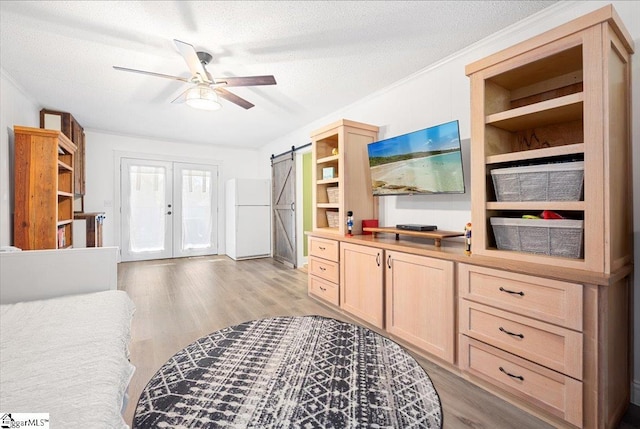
point(247, 80)
point(191, 57)
point(166, 76)
point(229, 96)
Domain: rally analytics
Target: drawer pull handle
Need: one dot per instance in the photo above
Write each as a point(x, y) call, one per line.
point(511, 291)
point(510, 333)
point(519, 377)
point(323, 289)
point(322, 248)
point(322, 269)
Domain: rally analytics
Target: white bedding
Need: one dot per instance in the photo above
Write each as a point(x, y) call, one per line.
point(67, 357)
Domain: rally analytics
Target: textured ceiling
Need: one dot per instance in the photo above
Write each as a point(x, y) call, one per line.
point(323, 54)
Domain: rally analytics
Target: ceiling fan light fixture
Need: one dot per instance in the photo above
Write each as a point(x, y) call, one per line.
point(202, 97)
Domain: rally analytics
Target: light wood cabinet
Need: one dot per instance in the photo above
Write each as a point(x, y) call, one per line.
point(549, 345)
point(570, 367)
point(43, 189)
point(553, 392)
point(324, 269)
point(561, 96)
point(362, 282)
point(420, 302)
point(340, 175)
point(65, 122)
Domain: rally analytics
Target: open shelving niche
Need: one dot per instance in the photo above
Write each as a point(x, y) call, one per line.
point(326, 160)
point(533, 115)
point(342, 146)
point(65, 197)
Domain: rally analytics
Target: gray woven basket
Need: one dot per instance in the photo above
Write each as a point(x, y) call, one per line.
point(550, 182)
point(556, 237)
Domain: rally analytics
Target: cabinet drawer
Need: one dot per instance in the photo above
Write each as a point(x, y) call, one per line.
point(322, 248)
point(328, 270)
point(324, 289)
point(556, 393)
point(543, 299)
point(549, 345)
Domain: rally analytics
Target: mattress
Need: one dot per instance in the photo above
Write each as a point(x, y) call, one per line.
point(68, 357)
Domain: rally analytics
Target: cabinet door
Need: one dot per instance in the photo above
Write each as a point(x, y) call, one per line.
point(361, 283)
point(420, 302)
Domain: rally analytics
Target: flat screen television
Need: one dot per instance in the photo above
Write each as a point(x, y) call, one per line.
point(422, 162)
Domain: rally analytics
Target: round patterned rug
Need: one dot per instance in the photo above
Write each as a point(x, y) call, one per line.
point(290, 372)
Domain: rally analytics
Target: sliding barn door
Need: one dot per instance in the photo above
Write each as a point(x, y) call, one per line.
point(283, 179)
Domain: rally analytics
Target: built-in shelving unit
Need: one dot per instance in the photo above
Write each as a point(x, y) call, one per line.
point(552, 103)
point(341, 148)
point(561, 97)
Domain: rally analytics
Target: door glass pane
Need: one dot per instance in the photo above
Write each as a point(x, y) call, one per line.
point(196, 209)
point(148, 205)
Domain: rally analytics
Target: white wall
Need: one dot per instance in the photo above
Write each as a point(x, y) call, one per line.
point(102, 149)
point(16, 108)
point(440, 93)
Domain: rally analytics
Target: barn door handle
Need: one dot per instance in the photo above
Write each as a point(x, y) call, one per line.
point(293, 206)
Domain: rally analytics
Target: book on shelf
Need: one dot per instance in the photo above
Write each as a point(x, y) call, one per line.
point(61, 237)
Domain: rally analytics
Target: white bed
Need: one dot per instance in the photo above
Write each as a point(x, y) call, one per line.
point(67, 357)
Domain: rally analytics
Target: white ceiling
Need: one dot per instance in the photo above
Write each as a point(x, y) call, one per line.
point(323, 54)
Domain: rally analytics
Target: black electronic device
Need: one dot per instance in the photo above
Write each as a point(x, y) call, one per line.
point(416, 227)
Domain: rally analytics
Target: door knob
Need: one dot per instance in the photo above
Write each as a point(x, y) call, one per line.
point(168, 212)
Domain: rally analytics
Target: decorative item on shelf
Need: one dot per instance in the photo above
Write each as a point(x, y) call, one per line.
point(334, 151)
point(369, 223)
point(333, 193)
point(467, 238)
point(328, 173)
point(349, 223)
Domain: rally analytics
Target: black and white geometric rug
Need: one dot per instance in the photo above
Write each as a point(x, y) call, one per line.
point(290, 372)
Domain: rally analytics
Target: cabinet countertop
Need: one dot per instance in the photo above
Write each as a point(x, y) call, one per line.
point(453, 250)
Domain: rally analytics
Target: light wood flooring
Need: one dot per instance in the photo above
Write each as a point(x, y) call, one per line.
point(180, 300)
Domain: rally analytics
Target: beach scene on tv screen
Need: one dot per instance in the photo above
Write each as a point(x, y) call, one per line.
point(428, 161)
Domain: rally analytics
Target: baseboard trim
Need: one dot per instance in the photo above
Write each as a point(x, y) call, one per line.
point(635, 392)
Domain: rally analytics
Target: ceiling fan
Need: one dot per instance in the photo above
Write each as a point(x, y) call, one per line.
point(206, 89)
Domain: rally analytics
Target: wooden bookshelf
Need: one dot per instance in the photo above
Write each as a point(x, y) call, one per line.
point(43, 189)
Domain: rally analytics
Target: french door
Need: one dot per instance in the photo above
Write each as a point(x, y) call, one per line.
point(169, 209)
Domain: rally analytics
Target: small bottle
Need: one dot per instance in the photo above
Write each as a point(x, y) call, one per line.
point(467, 238)
point(350, 223)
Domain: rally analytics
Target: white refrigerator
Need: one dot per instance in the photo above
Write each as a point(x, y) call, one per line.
point(248, 218)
